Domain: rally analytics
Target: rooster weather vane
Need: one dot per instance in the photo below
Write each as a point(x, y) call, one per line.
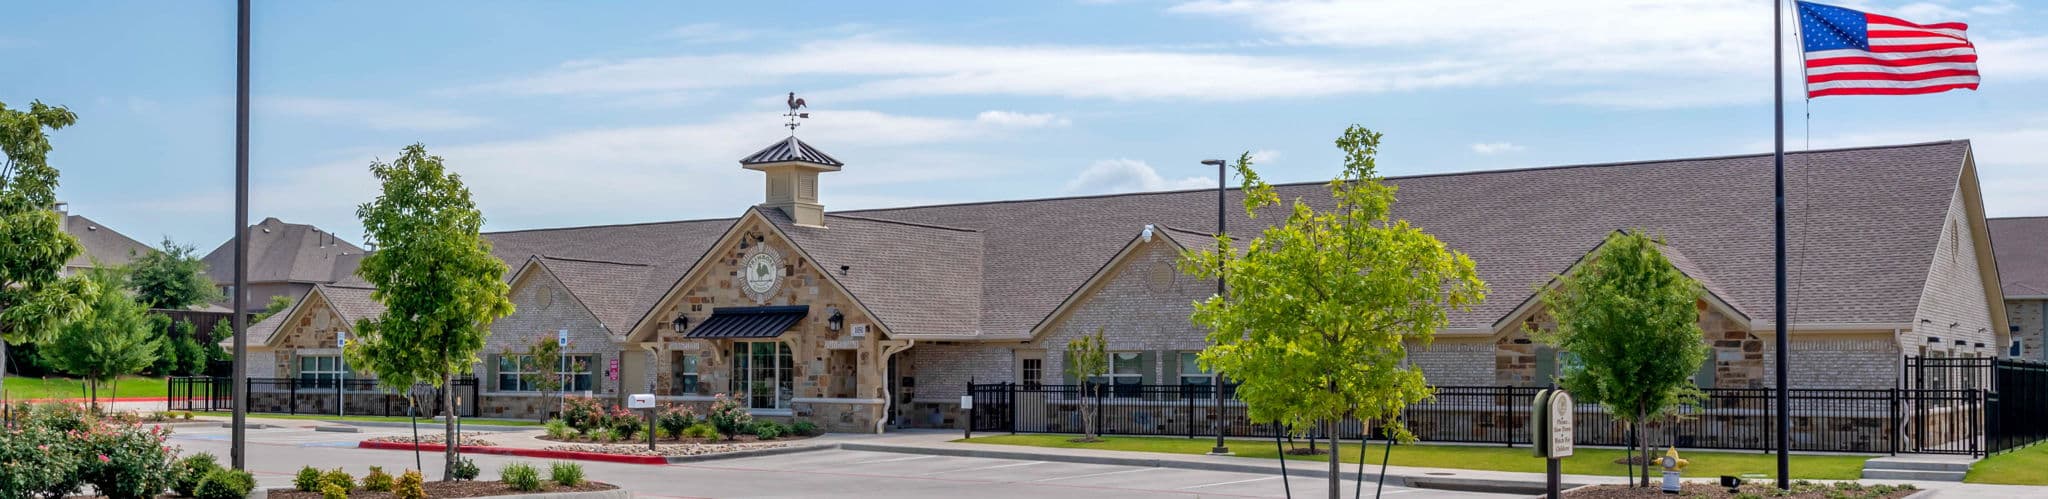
point(795, 103)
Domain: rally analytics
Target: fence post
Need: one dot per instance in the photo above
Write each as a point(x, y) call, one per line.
point(971, 409)
point(1099, 408)
point(1010, 389)
point(1897, 430)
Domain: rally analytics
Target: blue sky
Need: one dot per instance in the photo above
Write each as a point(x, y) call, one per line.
point(563, 113)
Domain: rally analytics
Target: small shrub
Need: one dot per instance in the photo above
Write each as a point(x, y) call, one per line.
point(702, 430)
point(729, 415)
point(307, 480)
point(582, 413)
point(521, 476)
point(804, 428)
point(768, 430)
point(190, 471)
point(332, 491)
point(566, 473)
point(410, 486)
point(674, 419)
point(557, 429)
point(627, 428)
point(224, 483)
point(187, 415)
point(465, 469)
point(338, 478)
point(377, 480)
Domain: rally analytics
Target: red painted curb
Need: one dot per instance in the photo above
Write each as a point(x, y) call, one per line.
point(515, 451)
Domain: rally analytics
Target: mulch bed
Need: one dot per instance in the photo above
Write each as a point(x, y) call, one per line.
point(1800, 490)
point(741, 439)
point(452, 489)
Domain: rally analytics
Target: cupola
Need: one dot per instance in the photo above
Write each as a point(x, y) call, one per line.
point(793, 167)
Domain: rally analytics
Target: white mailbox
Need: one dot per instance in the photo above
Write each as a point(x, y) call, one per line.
point(640, 401)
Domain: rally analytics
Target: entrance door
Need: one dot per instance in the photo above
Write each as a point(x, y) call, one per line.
point(633, 373)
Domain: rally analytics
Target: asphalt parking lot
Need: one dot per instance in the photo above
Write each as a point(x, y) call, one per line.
point(278, 452)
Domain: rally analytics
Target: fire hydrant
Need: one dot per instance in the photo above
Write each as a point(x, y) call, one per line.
point(1672, 466)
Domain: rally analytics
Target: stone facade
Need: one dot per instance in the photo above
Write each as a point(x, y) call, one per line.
point(542, 307)
point(2029, 326)
point(312, 331)
point(1738, 355)
point(841, 375)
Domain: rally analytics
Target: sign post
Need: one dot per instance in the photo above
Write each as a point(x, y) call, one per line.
point(644, 401)
point(341, 383)
point(1551, 431)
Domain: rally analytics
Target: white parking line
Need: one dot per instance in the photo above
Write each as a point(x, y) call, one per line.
point(900, 459)
point(1263, 478)
point(999, 466)
point(1094, 474)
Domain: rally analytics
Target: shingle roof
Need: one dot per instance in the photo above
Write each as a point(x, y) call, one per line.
point(790, 149)
point(1863, 226)
point(102, 244)
point(610, 289)
point(2020, 245)
point(350, 302)
point(287, 252)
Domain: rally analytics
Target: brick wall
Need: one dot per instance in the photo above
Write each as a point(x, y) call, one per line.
point(2030, 327)
point(541, 307)
point(1954, 293)
point(1143, 305)
point(1452, 364)
point(1863, 362)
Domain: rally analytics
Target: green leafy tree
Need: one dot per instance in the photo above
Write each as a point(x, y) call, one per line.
point(110, 340)
point(1323, 305)
point(179, 351)
point(545, 375)
point(173, 277)
point(278, 303)
point(222, 332)
point(34, 297)
point(435, 275)
point(1629, 318)
point(1087, 360)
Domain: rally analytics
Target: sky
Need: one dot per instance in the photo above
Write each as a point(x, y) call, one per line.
point(575, 113)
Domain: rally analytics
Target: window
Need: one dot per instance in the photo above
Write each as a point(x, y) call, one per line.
point(2014, 350)
point(1126, 368)
point(1191, 371)
point(1034, 371)
point(320, 370)
point(517, 372)
point(761, 372)
point(686, 374)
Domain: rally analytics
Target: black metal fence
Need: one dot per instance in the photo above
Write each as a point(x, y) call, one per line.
point(1939, 409)
point(364, 397)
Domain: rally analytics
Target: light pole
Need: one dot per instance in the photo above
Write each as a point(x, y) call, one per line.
point(1216, 378)
point(237, 455)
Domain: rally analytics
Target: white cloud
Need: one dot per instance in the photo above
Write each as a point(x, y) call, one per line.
point(1491, 148)
point(372, 114)
point(1265, 156)
point(1022, 120)
point(1129, 175)
point(888, 69)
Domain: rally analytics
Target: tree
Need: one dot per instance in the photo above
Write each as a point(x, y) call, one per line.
point(110, 340)
point(34, 297)
point(173, 277)
point(1629, 318)
point(1087, 360)
point(179, 351)
point(435, 275)
point(1322, 306)
point(223, 331)
point(545, 373)
point(278, 303)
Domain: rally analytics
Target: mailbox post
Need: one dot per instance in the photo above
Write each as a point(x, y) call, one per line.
point(644, 401)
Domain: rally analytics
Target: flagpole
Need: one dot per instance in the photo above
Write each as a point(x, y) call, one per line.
point(1778, 162)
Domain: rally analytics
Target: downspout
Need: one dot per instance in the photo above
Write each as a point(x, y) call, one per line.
point(882, 362)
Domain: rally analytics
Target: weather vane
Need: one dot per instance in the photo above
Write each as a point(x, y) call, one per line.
point(795, 103)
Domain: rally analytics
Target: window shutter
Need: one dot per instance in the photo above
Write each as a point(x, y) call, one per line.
point(1067, 368)
point(1705, 377)
point(1546, 366)
point(490, 381)
point(1169, 366)
point(598, 369)
point(1148, 372)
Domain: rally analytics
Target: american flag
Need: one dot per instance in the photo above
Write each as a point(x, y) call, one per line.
point(1857, 53)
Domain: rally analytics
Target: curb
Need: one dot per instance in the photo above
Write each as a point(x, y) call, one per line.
point(618, 493)
point(750, 453)
point(1414, 481)
point(513, 451)
point(436, 423)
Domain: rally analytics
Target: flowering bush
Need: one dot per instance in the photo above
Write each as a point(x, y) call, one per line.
point(128, 462)
point(729, 415)
point(58, 448)
point(37, 462)
point(674, 419)
point(583, 413)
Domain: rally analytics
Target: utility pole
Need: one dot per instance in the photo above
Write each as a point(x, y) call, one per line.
point(238, 450)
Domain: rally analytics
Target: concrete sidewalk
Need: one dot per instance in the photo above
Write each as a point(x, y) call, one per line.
point(934, 442)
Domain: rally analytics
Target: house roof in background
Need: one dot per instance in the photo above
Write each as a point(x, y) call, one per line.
point(2021, 247)
point(287, 252)
point(102, 244)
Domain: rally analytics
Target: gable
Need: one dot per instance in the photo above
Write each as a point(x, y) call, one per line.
point(313, 323)
point(717, 281)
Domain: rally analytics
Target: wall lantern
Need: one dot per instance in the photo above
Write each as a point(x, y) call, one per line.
point(837, 320)
point(681, 323)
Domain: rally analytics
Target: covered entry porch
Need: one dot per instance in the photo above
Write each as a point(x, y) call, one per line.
point(781, 363)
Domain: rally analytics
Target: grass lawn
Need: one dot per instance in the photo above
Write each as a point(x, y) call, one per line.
point(424, 422)
point(2028, 466)
point(65, 388)
point(1585, 461)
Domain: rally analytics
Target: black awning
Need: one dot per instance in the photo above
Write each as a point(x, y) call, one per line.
point(749, 322)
